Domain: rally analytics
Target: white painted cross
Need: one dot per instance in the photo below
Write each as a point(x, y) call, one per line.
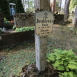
point(43, 27)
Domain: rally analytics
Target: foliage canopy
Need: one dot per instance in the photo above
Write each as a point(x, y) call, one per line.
point(19, 7)
point(4, 8)
point(73, 4)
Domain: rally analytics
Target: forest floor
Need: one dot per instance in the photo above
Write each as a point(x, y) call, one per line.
point(62, 37)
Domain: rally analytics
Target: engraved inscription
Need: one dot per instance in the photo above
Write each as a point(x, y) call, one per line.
point(44, 22)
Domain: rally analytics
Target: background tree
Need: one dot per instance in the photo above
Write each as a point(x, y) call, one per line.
point(53, 6)
point(11, 1)
point(60, 4)
point(4, 8)
point(73, 3)
point(57, 6)
point(19, 7)
point(66, 10)
point(30, 5)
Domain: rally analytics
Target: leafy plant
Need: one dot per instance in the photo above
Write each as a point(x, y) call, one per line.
point(18, 8)
point(9, 48)
point(14, 27)
point(64, 61)
point(73, 4)
point(5, 21)
point(1, 30)
point(5, 9)
point(23, 29)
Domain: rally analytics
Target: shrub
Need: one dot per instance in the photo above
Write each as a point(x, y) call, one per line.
point(65, 62)
point(1, 30)
point(18, 8)
point(14, 27)
point(24, 29)
point(5, 21)
point(4, 8)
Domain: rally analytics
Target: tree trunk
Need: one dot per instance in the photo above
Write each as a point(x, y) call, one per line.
point(66, 10)
point(74, 24)
point(60, 4)
point(28, 6)
point(53, 5)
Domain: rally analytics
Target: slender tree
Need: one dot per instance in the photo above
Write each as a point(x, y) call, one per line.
point(4, 8)
point(19, 7)
point(66, 10)
point(30, 4)
point(60, 4)
point(53, 5)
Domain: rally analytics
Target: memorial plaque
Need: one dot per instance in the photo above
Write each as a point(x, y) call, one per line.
point(44, 23)
point(1, 20)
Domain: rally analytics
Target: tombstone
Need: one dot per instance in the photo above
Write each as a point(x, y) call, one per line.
point(24, 20)
point(1, 20)
point(43, 27)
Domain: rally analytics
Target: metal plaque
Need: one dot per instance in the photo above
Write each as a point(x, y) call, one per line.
point(43, 23)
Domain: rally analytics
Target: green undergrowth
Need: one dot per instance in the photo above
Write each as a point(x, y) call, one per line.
point(5, 21)
point(14, 27)
point(65, 61)
point(23, 29)
point(1, 30)
point(13, 63)
point(70, 29)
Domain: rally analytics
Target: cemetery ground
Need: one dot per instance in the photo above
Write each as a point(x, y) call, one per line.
point(12, 59)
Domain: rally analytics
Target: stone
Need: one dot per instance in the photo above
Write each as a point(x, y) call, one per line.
point(24, 20)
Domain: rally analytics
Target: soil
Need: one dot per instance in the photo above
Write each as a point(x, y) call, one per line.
point(31, 71)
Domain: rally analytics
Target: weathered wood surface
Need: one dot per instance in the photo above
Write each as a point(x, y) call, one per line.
point(41, 42)
point(42, 5)
point(41, 49)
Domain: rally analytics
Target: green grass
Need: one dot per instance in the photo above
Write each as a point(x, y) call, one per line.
point(13, 63)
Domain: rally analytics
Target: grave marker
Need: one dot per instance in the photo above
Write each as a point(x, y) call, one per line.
point(43, 27)
point(24, 20)
point(1, 20)
point(44, 22)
